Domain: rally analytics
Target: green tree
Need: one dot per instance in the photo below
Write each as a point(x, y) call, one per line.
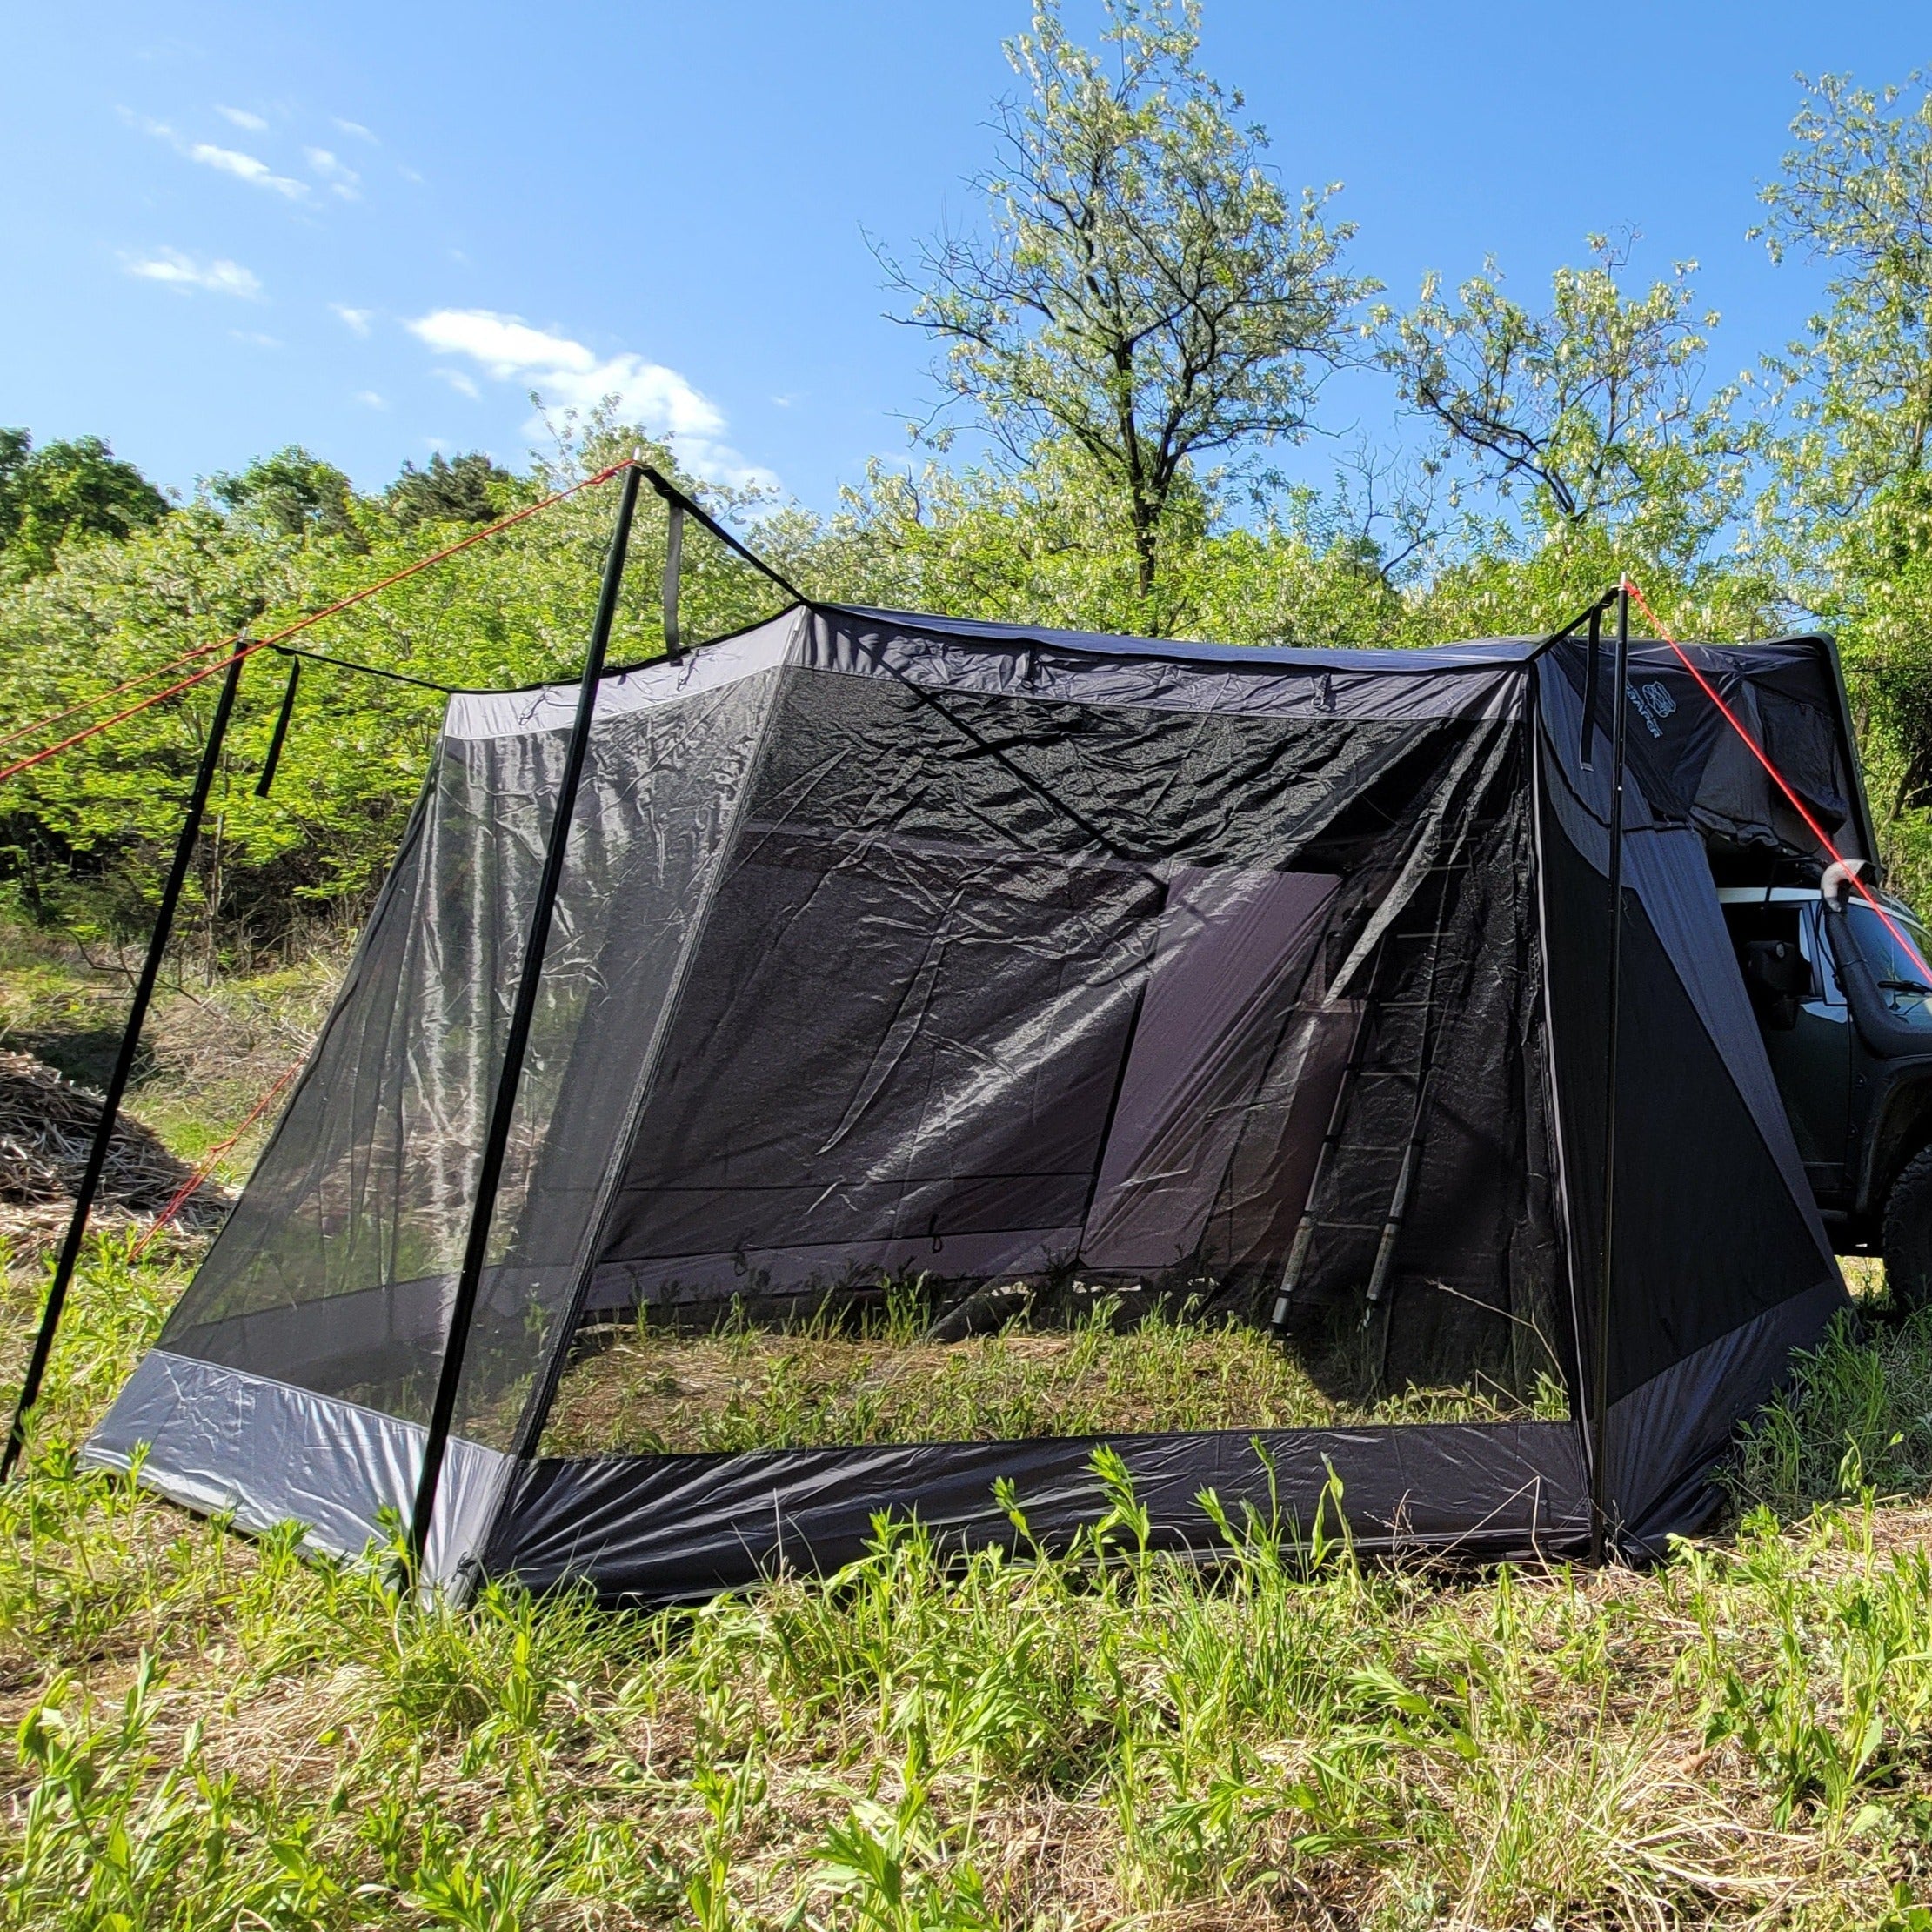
point(67, 489)
point(1849, 513)
point(84, 838)
point(1856, 194)
point(1584, 415)
point(1147, 296)
point(291, 494)
point(468, 490)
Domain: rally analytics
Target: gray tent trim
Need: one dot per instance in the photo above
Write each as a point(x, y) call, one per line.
point(887, 937)
point(231, 1444)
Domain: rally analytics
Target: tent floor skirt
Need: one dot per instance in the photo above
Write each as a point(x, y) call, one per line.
point(226, 1442)
point(670, 1528)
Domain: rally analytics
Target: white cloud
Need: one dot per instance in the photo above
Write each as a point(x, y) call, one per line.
point(357, 319)
point(243, 118)
point(255, 338)
point(342, 179)
point(566, 373)
point(358, 131)
point(230, 161)
point(368, 398)
point(183, 271)
point(460, 382)
point(245, 167)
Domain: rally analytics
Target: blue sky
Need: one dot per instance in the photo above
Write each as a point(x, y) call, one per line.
point(371, 228)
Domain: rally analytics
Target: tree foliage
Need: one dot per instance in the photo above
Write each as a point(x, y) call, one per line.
point(85, 836)
point(79, 489)
point(1145, 311)
point(1850, 511)
point(290, 494)
point(1586, 414)
point(1146, 295)
point(472, 490)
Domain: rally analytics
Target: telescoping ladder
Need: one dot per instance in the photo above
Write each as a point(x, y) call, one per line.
point(1382, 1108)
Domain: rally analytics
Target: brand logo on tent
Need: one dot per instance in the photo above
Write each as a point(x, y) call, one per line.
point(1653, 704)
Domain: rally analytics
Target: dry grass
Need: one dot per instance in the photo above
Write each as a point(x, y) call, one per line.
point(212, 1047)
point(47, 1129)
point(742, 1387)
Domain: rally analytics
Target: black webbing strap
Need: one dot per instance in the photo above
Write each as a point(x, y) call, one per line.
point(1590, 682)
point(673, 562)
point(279, 736)
point(675, 497)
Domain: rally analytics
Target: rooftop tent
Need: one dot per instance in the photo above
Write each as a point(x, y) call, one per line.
point(961, 1045)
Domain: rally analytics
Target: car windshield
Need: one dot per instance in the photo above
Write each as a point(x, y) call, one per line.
point(1893, 965)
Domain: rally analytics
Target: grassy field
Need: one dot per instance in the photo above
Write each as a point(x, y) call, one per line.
point(209, 1731)
point(215, 1732)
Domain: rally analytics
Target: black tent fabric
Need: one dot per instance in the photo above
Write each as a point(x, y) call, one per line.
point(893, 948)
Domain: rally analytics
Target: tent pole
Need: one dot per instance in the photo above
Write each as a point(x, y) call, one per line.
point(503, 1106)
point(124, 1063)
point(1599, 1365)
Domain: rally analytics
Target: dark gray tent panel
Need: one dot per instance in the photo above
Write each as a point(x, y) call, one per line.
point(896, 948)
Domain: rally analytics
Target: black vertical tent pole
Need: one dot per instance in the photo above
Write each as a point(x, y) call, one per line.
point(516, 1043)
point(124, 1064)
point(1599, 1365)
point(1592, 675)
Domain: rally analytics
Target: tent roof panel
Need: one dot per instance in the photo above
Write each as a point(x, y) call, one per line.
point(1486, 654)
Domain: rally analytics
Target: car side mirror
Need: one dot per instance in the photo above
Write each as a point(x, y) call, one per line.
point(1779, 976)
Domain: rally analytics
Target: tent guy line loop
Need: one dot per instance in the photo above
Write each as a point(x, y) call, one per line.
point(297, 654)
point(246, 647)
point(1778, 778)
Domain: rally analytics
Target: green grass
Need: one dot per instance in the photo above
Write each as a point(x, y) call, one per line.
point(1857, 1417)
point(215, 1732)
point(200, 1730)
point(745, 1388)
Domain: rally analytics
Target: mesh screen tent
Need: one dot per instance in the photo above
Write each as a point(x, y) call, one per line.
point(960, 1045)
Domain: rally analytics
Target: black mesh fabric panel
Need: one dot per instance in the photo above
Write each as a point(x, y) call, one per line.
point(1692, 769)
point(992, 986)
point(333, 1272)
point(1708, 1234)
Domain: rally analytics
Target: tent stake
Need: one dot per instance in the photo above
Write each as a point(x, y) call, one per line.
point(517, 1041)
point(1599, 1365)
point(124, 1064)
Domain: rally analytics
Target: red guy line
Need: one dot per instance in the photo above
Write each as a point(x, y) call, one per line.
point(1777, 777)
point(210, 1161)
point(303, 623)
point(126, 684)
